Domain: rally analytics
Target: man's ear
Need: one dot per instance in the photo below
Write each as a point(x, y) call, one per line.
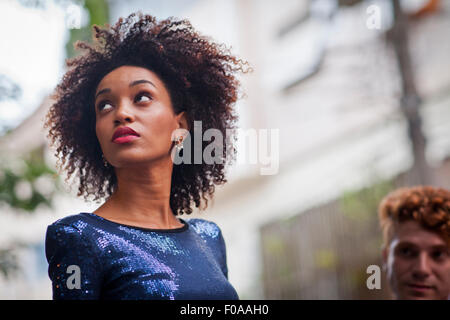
point(385, 255)
point(182, 121)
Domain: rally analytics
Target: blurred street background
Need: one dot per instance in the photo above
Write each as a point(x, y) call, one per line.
point(360, 94)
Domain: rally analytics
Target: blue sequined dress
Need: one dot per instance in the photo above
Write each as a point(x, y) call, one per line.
point(94, 258)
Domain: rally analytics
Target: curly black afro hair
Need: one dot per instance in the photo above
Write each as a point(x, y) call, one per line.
point(201, 79)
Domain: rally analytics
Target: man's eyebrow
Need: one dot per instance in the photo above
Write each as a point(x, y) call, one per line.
point(406, 243)
point(131, 84)
point(440, 246)
point(432, 247)
point(141, 81)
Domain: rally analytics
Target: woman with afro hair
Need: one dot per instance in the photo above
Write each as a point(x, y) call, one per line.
point(121, 112)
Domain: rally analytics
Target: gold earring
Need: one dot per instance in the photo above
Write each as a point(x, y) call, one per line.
point(179, 143)
point(105, 163)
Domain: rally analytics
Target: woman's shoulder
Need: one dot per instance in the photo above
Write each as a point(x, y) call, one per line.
point(205, 228)
point(72, 226)
point(69, 232)
point(64, 234)
point(76, 221)
point(211, 233)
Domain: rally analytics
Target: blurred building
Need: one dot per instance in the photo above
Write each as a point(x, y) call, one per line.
point(330, 84)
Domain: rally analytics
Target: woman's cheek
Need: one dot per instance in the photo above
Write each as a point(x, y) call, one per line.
point(102, 134)
point(162, 123)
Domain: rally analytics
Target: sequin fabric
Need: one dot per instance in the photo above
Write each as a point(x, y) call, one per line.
point(93, 258)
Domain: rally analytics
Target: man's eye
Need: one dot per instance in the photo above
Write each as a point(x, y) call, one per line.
point(439, 254)
point(407, 252)
point(142, 97)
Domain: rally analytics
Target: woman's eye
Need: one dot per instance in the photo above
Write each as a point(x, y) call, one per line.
point(102, 105)
point(142, 97)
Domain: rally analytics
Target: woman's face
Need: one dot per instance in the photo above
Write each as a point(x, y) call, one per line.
point(135, 97)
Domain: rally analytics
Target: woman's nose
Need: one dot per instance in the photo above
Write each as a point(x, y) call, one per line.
point(124, 112)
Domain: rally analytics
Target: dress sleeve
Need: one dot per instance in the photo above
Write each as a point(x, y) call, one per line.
point(73, 266)
point(223, 254)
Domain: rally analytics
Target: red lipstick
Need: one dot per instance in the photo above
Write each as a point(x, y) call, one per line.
point(124, 134)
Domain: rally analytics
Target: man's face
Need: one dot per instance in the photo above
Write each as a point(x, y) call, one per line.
point(418, 263)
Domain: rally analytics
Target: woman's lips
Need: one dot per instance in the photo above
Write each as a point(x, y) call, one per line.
point(125, 139)
point(123, 131)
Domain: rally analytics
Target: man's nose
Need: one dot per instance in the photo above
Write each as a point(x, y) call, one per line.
point(422, 267)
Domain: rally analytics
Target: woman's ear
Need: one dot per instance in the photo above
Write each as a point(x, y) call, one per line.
point(182, 121)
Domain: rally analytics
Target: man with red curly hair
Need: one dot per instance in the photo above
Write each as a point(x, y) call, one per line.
point(416, 254)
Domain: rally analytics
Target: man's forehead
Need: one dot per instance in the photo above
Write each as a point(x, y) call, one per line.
point(412, 232)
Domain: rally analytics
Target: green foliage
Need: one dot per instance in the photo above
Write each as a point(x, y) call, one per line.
point(27, 183)
point(9, 266)
point(98, 14)
point(362, 204)
point(21, 183)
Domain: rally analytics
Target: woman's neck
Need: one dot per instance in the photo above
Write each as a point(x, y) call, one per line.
point(142, 197)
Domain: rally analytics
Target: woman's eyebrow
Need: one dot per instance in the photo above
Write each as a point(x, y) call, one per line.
point(131, 84)
point(102, 91)
point(141, 81)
